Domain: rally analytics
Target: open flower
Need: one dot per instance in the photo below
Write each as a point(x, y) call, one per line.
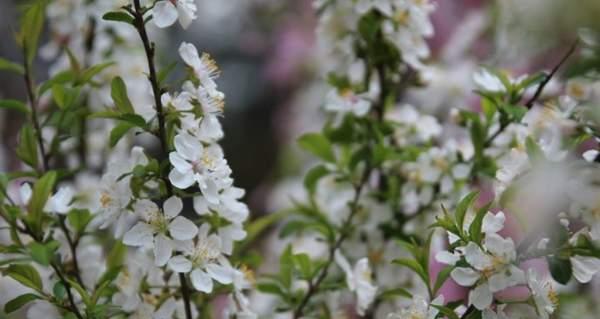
point(166, 12)
point(156, 225)
point(205, 68)
point(419, 309)
point(60, 202)
point(204, 259)
point(358, 279)
point(344, 101)
point(544, 296)
point(194, 163)
point(492, 269)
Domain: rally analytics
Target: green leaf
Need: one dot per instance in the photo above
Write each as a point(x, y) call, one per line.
point(475, 232)
point(118, 92)
point(59, 290)
point(41, 191)
point(92, 71)
point(286, 267)
point(462, 207)
point(14, 105)
point(79, 219)
point(31, 28)
point(118, 132)
point(26, 275)
point(60, 78)
point(414, 266)
point(318, 145)
point(449, 313)
point(560, 269)
point(441, 278)
point(313, 176)
point(16, 303)
point(118, 16)
point(27, 150)
point(11, 66)
point(41, 253)
point(303, 263)
point(64, 97)
point(270, 288)
point(392, 293)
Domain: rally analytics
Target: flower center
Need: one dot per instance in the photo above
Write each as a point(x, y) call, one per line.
point(203, 253)
point(158, 222)
point(105, 200)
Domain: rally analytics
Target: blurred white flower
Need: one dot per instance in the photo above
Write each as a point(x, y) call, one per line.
point(166, 12)
point(359, 280)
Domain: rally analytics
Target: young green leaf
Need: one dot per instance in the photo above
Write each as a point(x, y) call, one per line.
point(560, 269)
point(26, 275)
point(14, 105)
point(318, 145)
point(118, 92)
point(18, 302)
point(41, 191)
point(118, 16)
point(118, 132)
point(11, 66)
point(462, 207)
point(313, 176)
point(31, 28)
point(27, 150)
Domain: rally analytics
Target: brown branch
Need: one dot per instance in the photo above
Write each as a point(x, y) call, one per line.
point(140, 24)
point(550, 75)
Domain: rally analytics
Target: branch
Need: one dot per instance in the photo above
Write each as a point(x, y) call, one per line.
point(548, 77)
point(140, 25)
point(33, 102)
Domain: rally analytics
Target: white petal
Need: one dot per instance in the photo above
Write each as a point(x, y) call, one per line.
point(180, 163)
point(493, 223)
point(164, 14)
point(188, 146)
point(220, 273)
point(345, 265)
point(476, 257)
point(185, 17)
point(590, 155)
point(166, 310)
point(189, 54)
point(138, 235)
point(182, 228)
point(446, 257)
point(163, 250)
point(584, 268)
point(180, 180)
point(465, 277)
point(210, 192)
point(201, 281)
point(25, 193)
point(180, 264)
point(172, 207)
point(200, 205)
point(481, 297)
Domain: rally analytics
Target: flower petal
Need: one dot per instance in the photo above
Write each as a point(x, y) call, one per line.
point(164, 14)
point(220, 273)
point(182, 228)
point(180, 264)
point(138, 235)
point(172, 206)
point(201, 281)
point(180, 180)
point(163, 249)
point(464, 276)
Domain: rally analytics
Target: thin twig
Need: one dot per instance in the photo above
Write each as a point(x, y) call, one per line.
point(73, 247)
point(548, 77)
point(34, 105)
